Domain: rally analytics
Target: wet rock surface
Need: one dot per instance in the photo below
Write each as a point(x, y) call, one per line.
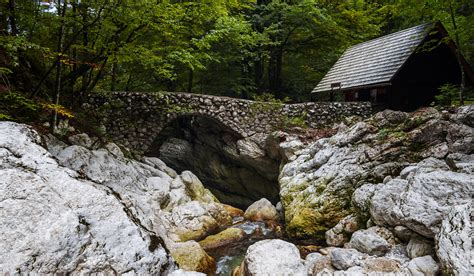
point(224, 238)
point(191, 257)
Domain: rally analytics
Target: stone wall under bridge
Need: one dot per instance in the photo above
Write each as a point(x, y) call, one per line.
point(136, 119)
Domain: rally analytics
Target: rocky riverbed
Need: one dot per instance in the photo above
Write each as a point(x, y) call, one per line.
point(391, 194)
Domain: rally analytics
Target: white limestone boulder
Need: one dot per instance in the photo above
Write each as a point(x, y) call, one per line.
point(55, 221)
point(194, 220)
point(273, 257)
point(261, 210)
point(454, 242)
point(343, 258)
point(423, 266)
point(370, 242)
point(421, 197)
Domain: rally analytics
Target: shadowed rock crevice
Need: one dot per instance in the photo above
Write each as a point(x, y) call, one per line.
point(237, 170)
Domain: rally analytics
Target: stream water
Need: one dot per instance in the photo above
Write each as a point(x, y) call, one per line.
point(231, 256)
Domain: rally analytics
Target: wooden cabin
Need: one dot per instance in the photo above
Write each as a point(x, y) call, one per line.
point(400, 71)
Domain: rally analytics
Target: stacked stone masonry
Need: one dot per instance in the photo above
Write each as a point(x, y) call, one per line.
point(135, 119)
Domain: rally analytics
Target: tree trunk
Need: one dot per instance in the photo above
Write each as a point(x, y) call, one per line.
point(93, 83)
point(85, 42)
point(12, 17)
point(72, 101)
point(259, 69)
point(3, 19)
point(114, 75)
point(61, 13)
point(129, 81)
point(458, 55)
point(274, 72)
point(190, 81)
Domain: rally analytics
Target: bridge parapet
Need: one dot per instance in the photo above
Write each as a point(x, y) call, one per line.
point(136, 119)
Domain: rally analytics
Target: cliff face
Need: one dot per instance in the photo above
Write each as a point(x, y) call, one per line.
point(81, 209)
point(408, 168)
point(55, 220)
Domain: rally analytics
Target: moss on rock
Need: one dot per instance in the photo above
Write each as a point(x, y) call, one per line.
point(226, 237)
point(310, 223)
point(191, 257)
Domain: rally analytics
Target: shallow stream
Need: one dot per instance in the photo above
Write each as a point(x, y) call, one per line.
point(230, 256)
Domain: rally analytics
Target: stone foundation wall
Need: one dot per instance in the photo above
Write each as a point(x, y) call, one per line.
point(135, 119)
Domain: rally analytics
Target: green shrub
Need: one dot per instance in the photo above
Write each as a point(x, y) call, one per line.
point(5, 117)
point(17, 107)
point(14, 106)
point(266, 102)
point(299, 121)
point(448, 93)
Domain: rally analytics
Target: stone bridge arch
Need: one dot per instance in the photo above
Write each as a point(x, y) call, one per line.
point(236, 169)
point(134, 119)
point(220, 139)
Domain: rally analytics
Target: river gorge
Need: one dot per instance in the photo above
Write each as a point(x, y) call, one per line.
point(391, 193)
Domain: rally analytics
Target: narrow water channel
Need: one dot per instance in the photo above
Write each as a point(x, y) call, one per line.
point(230, 256)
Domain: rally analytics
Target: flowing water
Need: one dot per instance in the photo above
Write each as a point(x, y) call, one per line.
point(231, 256)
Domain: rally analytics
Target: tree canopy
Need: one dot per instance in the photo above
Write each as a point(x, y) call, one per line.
point(62, 50)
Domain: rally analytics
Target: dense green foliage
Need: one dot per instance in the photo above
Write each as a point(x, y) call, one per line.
point(239, 48)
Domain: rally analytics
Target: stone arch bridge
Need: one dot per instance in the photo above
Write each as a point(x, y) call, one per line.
point(222, 140)
point(135, 119)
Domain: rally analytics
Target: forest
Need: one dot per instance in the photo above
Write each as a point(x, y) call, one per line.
point(59, 51)
point(182, 137)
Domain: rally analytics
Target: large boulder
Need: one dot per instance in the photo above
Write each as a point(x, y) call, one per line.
point(176, 206)
point(261, 210)
point(419, 247)
point(227, 237)
point(194, 220)
point(454, 242)
point(423, 266)
point(317, 185)
point(421, 197)
point(155, 186)
point(54, 220)
point(316, 263)
point(343, 258)
point(182, 272)
point(272, 257)
point(369, 241)
point(190, 256)
point(340, 234)
point(381, 265)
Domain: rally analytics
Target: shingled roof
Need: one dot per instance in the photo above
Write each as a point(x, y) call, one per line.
point(374, 62)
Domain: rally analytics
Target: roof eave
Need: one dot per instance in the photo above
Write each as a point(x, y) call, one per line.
point(381, 84)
